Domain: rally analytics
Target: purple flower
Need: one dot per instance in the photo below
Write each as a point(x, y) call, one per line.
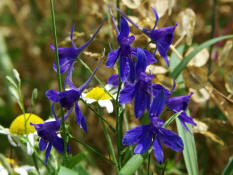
point(153, 134)
point(162, 97)
point(113, 80)
point(48, 137)
point(141, 91)
point(177, 104)
point(69, 99)
point(125, 52)
point(67, 56)
point(162, 37)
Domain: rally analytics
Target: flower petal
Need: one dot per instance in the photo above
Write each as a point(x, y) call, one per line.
point(58, 144)
point(47, 153)
point(171, 139)
point(141, 62)
point(127, 94)
point(144, 144)
point(68, 98)
point(112, 57)
point(133, 136)
point(113, 80)
point(157, 104)
point(107, 104)
point(124, 68)
point(42, 144)
point(163, 38)
point(80, 119)
point(52, 95)
point(158, 150)
point(141, 102)
point(184, 118)
point(177, 104)
point(150, 59)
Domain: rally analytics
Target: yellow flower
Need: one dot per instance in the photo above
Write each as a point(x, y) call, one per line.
point(97, 94)
point(18, 125)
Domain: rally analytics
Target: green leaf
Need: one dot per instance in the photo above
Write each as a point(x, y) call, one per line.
point(173, 117)
point(132, 165)
point(81, 170)
point(179, 68)
point(76, 159)
point(189, 152)
point(65, 171)
point(229, 168)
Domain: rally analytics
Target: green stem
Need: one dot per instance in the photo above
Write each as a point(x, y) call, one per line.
point(109, 125)
point(118, 120)
point(118, 14)
point(59, 79)
point(91, 149)
point(96, 78)
point(109, 141)
point(148, 165)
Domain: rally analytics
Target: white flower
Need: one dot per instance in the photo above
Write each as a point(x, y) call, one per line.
point(98, 94)
point(23, 170)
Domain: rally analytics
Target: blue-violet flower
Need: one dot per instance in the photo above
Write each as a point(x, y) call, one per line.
point(162, 37)
point(153, 134)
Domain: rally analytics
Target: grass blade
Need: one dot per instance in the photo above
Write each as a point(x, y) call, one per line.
point(229, 168)
point(180, 67)
point(132, 165)
point(189, 152)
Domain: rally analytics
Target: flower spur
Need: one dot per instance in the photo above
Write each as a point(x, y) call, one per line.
point(69, 98)
point(67, 56)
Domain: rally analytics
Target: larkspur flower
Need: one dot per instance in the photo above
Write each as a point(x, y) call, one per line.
point(48, 132)
point(67, 56)
point(69, 98)
point(162, 37)
point(162, 97)
point(180, 103)
point(125, 52)
point(153, 134)
point(140, 91)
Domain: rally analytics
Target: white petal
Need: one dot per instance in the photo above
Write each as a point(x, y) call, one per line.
point(3, 171)
point(107, 104)
point(108, 87)
point(30, 144)
point(12, 142)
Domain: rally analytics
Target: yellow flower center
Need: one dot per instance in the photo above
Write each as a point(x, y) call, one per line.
point(18, 125)
point(98, 94)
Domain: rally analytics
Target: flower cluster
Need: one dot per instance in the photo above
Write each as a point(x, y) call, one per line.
point(147, 95)
point(68, 99)
point(137, 85)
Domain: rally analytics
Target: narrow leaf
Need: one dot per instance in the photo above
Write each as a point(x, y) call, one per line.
point(179, 68)
point(189, 152)
point(64, 171)
point(132, 165)
point(229, 168)
point(173, 117)
point(76, 159)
